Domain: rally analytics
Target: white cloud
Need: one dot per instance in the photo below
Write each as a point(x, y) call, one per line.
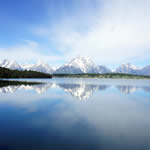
point(108, 31)
point(28, 51)
point(118, 31)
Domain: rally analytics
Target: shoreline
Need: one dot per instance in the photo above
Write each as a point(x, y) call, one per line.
point(101, 76)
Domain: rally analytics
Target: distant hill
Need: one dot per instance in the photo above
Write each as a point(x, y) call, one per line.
point(7, 73)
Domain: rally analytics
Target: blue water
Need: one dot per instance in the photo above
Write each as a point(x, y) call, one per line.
point(76, 114)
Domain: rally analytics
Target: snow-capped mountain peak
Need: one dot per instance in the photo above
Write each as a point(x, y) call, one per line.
point(129, 65)
point(13, 65)
point(127, 68)
point(4, 62)
point(84, 63)
point(145, 70)
point(41, 67)
point(78, 65)
point(10, 64)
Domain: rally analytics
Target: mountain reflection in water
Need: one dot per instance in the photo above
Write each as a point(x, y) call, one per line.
point(81, 90)
point(75, 114)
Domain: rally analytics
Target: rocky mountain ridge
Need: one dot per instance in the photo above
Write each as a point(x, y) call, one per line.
point(77, 65)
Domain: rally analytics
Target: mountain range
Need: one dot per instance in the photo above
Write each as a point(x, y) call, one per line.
point(76, 66)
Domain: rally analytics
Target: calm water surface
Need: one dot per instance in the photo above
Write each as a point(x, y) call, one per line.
point(76, 114)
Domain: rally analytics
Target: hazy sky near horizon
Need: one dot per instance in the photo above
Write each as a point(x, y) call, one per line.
point(110, 32)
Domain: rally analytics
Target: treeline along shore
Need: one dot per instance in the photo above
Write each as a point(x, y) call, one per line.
point(7, 73)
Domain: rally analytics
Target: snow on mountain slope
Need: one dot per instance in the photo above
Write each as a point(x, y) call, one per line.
point(41, 67)
point(82, 65)
point(103, 69)
point(145, 70)
point(85, 64)
point(68, 70)
point(13, 65)
point(127, 68)
point(78, 65)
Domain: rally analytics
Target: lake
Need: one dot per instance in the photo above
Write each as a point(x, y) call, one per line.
point(76, 114)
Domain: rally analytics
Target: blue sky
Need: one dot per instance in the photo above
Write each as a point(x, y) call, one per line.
point(111, 32)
